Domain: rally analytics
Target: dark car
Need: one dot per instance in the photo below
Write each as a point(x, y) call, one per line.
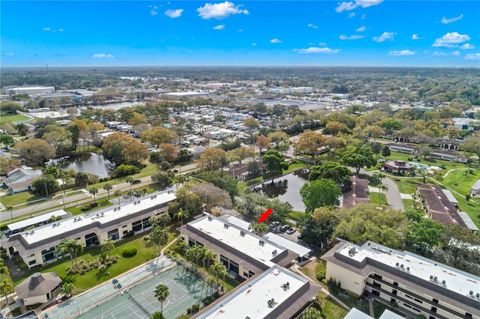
point(291, 230)
point(137, 181)
point(284, 228)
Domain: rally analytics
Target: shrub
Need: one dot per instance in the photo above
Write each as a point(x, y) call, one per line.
point(88, 206)
point(125, 170)
point(129, 251)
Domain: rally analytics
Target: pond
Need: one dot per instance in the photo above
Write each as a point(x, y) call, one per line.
point(91, 163)
point(287, 189)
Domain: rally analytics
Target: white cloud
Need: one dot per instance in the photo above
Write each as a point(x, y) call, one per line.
point(6, 53)
point(361, 29)
point(472, 56)
point(351, 5)
point(467, 46)
point(219, 27)
point(254, 44)
point(313, 26)
point(456, 53)
point(60, 30)
point(316, 50)
point(153, 10)
point(275, 41)
point(350, 37)
point(401, 53)
point(451, 40)
point(220, 10)
point(351, 14)
point(102, 56)
point(446, 20)
point(174, 13)
point(385, 36)
point(240, 30)
point(441, 53)
point(47, 29)
point(415, 37)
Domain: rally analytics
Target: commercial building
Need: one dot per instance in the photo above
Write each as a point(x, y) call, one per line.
point(416, 285)
point(39, 245)
point(354, 313)
point(36, 221)
point(30, 90)
point(398, 167)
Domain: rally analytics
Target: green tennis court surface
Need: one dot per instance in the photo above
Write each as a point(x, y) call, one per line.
point(185, 290)
point(137, 300)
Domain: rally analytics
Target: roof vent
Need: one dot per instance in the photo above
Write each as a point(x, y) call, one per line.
point(431, 278)
point(444, 282)
point(398, 264)
point(261, 242)
point(225, 226)
point(274, 253)
point(209, 218)
point(435, 278)
point(242, 233)
point(471, 292)
point(478, 295)
point(271, 303)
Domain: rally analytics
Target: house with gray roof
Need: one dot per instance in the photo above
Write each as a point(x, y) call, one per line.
point(39, 288)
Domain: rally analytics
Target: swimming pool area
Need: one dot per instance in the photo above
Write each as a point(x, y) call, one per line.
point(135, 299)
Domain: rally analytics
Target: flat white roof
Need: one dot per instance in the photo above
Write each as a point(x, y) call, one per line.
point(290, 245)
point(354, 313)
point(248, 244)
point(102, 216)
point(237, 222)
point(36, 220)
point(455, 280)
point(252, 300)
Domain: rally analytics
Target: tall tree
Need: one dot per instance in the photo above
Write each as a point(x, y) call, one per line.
point(321, 192)
point(158, 136)
point(213, 158)
point(161, 293)
point(71, 247)
point(274, 162)
point(158, 237)
point(310, 143)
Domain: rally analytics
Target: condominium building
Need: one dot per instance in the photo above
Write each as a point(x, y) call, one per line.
point(414, 284)
point(269, 291)
point(40, 245)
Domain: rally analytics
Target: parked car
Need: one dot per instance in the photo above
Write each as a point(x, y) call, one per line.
point(137, 181)
point(284, 228)
point(291, 230)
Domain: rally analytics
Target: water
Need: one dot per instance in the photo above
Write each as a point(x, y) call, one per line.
point(287, 189)
point(116, 106)
point(91, 163)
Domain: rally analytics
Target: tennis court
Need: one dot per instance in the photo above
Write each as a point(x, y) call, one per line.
point(138, 301)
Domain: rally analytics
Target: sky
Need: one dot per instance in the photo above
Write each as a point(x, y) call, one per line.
point(240, 33)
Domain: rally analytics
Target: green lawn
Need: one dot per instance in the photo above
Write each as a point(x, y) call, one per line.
point(102, 203)
point(293, 167)
point(241, 187)
point(18, 198)
point(377, 198)
point(13, 118)
point(145, 252)
point(408, 203)
point(330, 309)
point(460, 181)
point(406, 185)
point(297, 216)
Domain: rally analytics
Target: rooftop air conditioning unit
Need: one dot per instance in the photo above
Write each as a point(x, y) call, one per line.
point(261, 242)
point(225, 226)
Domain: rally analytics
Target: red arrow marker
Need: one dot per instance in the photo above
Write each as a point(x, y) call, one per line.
point(264, 216)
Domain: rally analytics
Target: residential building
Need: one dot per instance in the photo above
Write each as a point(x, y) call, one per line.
point(354, 313)
point(277, 293)
point(414, 284)
point(36, 221)
point(357, 194)
point(448, 156)
point(403, 148)
point(20, 179)
point(39, 288)
point(397, 167)
point(440, 204)
point(475, 191)
point(40, 245)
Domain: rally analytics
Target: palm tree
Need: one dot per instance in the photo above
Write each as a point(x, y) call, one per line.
point(180, 215)
point(130, 181)
point(108, 246)
point(260, 228)
point(108, 187)
point(10, 209)
point(218, 270)
point(93, 191)
point(6, 288)
point(66, 289)
point(158, 237)
point(208, 255)
point(64, 175)
point(118, 194)
point(161, 293)
point(71, 247)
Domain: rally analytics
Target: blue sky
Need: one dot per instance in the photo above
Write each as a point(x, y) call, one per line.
point(357, 32)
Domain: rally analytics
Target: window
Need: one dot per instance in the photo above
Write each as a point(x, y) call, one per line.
point(32, 262)
point(468, 315)
point(137, 226)
point(434, 309)
point(435, 300)
point(113, 234)
point(376, 284)
point(376, 276)
point(418, 300)
point(49, 254)
point(376, 292)
point(395, 284)
point(394, 292)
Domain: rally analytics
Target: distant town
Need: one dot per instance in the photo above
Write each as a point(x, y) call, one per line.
point(136, 193)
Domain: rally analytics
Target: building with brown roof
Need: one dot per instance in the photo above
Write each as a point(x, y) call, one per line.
point(39, 288)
